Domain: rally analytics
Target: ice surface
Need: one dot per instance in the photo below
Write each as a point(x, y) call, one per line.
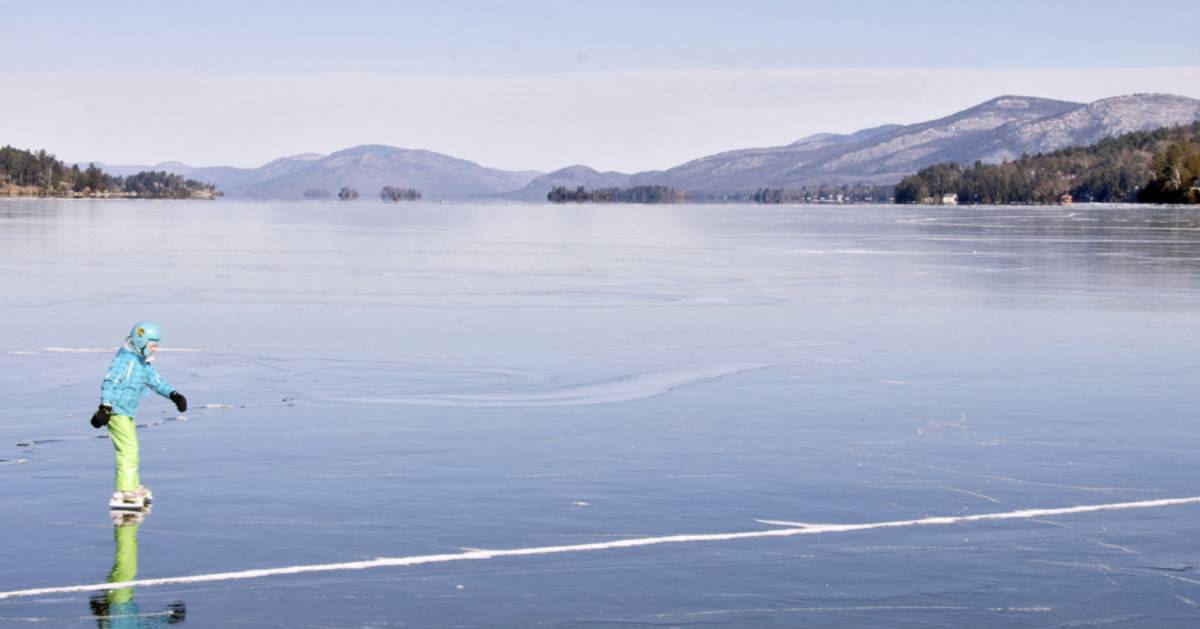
point(623, 389)
point(372, 381)
point(476, 554)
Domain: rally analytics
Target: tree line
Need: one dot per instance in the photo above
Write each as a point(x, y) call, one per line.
point(387, 194)
point(635, 194)
point(847, 193)
point(1176, 175)
point(162, 185)
point(43, 174)
point(393, 194)
point(39, 170)
point(1159, 166)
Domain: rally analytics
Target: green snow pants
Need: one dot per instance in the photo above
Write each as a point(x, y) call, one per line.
point(125, 559)
point(123, 434)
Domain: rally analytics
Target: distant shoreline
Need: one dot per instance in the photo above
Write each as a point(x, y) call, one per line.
point(814, 204)
point(11, 191)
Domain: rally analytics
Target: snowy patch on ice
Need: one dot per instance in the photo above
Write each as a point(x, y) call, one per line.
point(624, 389)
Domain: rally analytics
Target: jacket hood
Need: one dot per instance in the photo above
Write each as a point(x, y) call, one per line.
point(128, 347)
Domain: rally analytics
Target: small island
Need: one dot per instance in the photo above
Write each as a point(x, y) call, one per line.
point(41, 174)
point(846, 193)
point(394, 194)
point(636, 194)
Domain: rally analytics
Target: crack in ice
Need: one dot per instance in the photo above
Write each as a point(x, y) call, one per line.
point(792, 529)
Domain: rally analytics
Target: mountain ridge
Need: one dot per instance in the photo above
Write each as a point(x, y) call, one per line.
point(998, 129)
point(367, 168)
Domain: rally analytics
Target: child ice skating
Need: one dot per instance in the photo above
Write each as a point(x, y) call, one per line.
point(127, 378)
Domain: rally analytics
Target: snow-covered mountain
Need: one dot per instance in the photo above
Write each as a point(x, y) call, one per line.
point(999, 129)
point(1086, 125)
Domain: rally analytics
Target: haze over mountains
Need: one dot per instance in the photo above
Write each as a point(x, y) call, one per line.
point(1000, 129)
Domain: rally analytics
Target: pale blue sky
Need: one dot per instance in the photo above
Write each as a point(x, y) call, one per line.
point(616, 85)
point(556, 36)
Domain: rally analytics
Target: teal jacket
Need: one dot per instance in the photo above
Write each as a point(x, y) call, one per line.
point(126, 380)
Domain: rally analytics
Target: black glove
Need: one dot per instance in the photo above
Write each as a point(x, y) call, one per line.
point(179, 400)
point(100, 417)
point(176, 612)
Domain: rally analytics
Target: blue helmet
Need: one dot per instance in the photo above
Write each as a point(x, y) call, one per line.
point(144, 332)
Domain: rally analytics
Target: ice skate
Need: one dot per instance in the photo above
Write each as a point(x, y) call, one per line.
point(126, 501)
point(144, 493)
point(128, 518)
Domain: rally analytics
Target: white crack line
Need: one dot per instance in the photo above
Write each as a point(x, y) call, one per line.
point(792, 529)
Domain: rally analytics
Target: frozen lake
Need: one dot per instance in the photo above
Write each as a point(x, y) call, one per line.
point(400, 381)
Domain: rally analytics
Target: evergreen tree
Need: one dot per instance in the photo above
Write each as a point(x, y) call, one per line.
point(1150, 166)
